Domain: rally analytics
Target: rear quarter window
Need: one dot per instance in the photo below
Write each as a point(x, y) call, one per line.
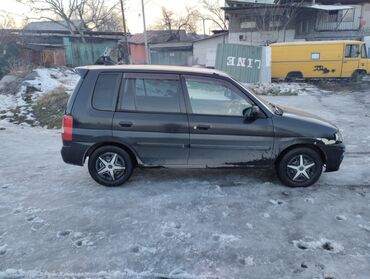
point(106, 87)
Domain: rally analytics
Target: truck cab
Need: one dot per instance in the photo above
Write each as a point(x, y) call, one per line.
point(355, 60)
point(364, 59)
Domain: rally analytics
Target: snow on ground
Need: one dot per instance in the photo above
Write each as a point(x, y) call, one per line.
point(48, 79)
point(39, 82)
point(56, 222)
point(284, 88)
point(8, 102)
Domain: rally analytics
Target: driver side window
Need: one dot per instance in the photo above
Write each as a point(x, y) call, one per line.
point(212, 98)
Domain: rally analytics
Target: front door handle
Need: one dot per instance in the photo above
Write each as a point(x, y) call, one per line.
point(125, 124)
point(202, 127)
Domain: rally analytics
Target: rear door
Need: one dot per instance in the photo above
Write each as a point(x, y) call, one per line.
point(351, 59)
point(219, 135)
point(151, 118)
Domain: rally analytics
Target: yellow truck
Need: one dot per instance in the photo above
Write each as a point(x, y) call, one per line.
point(319, 59)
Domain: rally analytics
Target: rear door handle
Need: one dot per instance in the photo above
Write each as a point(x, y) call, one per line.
point(126, 124)
point(202, 127)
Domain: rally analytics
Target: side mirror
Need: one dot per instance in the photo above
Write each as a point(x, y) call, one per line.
point(251, 112)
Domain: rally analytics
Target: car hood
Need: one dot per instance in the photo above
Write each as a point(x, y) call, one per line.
point(306, 115)
point(295, 122)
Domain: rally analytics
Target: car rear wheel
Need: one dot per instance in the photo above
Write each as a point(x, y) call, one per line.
point(110, 166)
point(300, 167)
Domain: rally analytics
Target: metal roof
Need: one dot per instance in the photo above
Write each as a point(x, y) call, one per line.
point(159, 36)
point(221, 34)
point(330, 7)
point(156, 68)
point(53, 25)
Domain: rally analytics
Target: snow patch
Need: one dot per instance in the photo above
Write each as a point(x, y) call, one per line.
point(266, 215)
point(323, 243)
point(40, 82)
point(276, 202)
point(126, 273)
point(310, 200)
point(225, 238)
point(365, 227)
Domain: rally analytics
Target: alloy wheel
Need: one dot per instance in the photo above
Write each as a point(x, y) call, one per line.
point(110, 166)
point(301, 168)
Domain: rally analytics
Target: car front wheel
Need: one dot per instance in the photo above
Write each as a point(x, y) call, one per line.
point(110, 166)
point(300, 167)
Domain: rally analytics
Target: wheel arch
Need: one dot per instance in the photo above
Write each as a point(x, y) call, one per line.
point(136, 160)
point(294, 75)
point(299, 145)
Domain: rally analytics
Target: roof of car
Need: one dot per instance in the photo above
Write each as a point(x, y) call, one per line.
point(156, 68)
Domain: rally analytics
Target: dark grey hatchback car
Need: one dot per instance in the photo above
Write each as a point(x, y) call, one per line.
point(121, 117)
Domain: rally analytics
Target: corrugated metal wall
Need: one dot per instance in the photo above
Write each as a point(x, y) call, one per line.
point(79, 54)
point(171, 57)
point(240, 61)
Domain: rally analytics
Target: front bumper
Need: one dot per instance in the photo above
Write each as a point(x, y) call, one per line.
point(74, 153)
point(334, 156)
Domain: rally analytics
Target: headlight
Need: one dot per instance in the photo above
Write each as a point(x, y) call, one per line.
point(337, 138)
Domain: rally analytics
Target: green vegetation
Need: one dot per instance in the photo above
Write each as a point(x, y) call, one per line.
point(49, 109)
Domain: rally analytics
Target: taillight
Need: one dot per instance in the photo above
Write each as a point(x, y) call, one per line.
point(67, 127)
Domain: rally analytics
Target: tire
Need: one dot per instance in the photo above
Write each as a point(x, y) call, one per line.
point(106, 172)
point(293, 76)
point(357, 76)
point(300, 167)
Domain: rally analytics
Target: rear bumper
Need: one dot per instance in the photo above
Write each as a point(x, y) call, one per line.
point(74, 153)
point(334, 156)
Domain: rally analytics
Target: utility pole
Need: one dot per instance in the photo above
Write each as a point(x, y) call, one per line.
point(147, 56)
point(204, 27)
point(127, 56)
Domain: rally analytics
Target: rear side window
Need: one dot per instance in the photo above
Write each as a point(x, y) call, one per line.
point(105, 91)
point(151, 95)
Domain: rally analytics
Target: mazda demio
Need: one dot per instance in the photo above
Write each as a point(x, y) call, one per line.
point(121, 117)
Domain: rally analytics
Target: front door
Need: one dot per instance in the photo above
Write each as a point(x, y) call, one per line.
point(219, 135)
point(364, 60)
point(151, 118)
point(350, 60)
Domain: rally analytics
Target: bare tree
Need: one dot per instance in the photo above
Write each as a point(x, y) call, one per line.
point(95, 14)
point(176, 22)
point(98, 15)
point(6, 21)
point(214, 13)
point(55, 10)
